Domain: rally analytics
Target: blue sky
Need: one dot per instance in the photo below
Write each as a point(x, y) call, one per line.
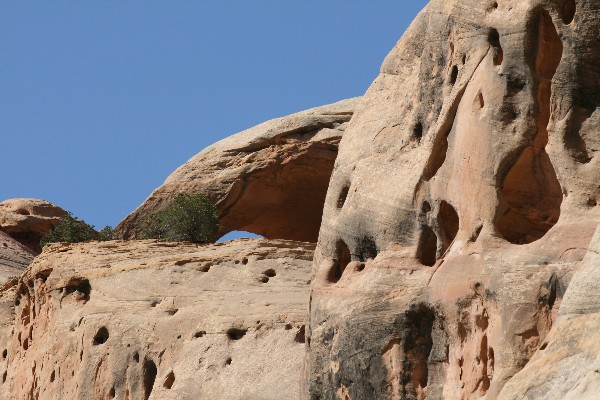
point(101, 100)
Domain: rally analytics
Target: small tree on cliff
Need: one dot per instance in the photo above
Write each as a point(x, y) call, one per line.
point(191, 218)
point(70, 229)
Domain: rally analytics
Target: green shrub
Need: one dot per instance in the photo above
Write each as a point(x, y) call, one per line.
point(69, 229)
point(106, 233)
point(191, 218)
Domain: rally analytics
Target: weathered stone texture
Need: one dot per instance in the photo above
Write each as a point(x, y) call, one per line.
point(462, 202)
point(270, 179)
point(150, 320)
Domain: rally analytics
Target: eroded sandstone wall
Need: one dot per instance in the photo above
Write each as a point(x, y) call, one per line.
point(463, 200)
point(151, 320)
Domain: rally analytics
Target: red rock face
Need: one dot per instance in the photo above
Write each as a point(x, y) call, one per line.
point(461, 204)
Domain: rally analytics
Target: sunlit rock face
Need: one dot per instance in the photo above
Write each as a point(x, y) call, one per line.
point(27, 220)
point(270, 179)
point(462, 202)
point(152, 320)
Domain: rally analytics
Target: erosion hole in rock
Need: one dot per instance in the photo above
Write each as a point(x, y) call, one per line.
point(43, 275)
point(4, 375)
point(366, 248)
point(169, 380)
point(406, 356)
point(111, 393)
point(136, 357)
point(343, 196)
point(478, 102)
point(418, 344)
point(301, 335)
point(263, 279)
point(244, 261)
point(476, 234)
point(484, 358)
point(204, 268)
point(448, 222)
point(426, 207)
point(236, 333)
point(291, 209)
point(453, 75)
point(199, 334)
point(238, 234)
point(531, 194)
point(101, 336)
point(80, 287)
point(228, 361)
point(569, 10)
point(427, 247)
point(417, 133)
point(154, 303)
point(4, 354)
point(270, 273)
point(52, 376)
point(494, 41)
point(149, 372)
point(341, 260)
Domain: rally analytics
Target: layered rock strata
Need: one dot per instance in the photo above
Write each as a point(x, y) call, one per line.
point(151, 320)
point(462, 203)
point(270, 179)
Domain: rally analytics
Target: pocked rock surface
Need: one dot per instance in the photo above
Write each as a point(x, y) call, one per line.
point(151, 320)
point(462, 202)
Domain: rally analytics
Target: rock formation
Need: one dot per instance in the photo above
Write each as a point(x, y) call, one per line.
point(14, 257)
point(457, 253)
point(462, 202)
point(27, 220)
point(151, 320)
point(22, 223)
point(270, 179)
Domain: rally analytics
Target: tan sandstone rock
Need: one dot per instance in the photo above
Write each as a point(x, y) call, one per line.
point(27, 220)
point(14, 257)
point(463, 200)
point(270, 179)
point(151, 320)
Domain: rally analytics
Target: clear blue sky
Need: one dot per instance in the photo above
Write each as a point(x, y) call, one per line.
point(101, 100)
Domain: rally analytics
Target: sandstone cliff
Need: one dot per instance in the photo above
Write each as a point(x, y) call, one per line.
point(462, 202)
point(457, 253)
point(270, 179)
point(150, 320)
